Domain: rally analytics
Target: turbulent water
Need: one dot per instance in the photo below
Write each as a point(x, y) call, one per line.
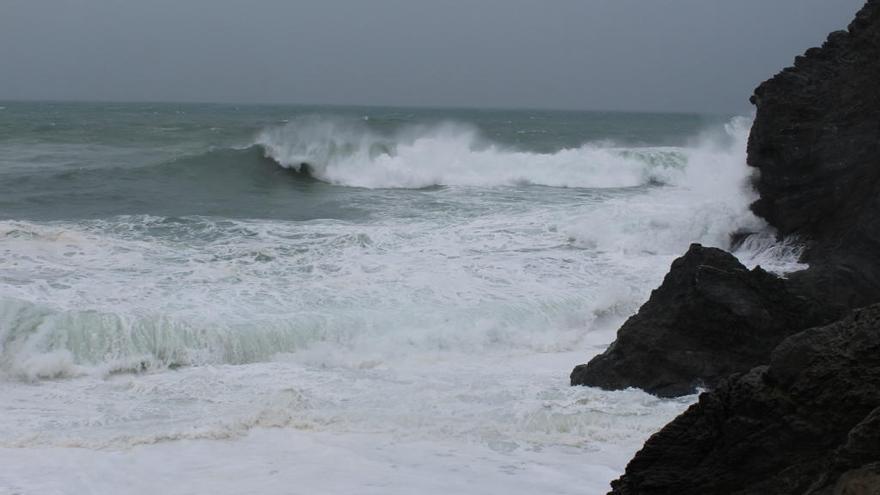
point(221, 299)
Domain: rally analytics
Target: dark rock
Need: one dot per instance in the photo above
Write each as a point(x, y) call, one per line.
point(711, 317)
point(816, 143)
point(862, 481)
point(807, 423)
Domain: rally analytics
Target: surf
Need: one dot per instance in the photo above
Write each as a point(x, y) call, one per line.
point(348, 152)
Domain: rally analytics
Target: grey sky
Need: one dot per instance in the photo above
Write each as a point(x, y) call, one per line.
point(680, 55)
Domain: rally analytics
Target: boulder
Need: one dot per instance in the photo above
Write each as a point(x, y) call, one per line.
point(711, 317)
point(808, 423)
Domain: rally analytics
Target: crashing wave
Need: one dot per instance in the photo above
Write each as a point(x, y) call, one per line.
point(350, 154)
point(276, 285)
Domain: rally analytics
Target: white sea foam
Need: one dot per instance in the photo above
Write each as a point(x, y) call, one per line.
point(347, 153)
point(501, 419)
point(765, 250)
point(241, 346)
point(706, 199)
point(707, 202)
point(487, 272)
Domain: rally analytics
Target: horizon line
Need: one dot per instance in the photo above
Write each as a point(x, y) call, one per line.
point(366, 105)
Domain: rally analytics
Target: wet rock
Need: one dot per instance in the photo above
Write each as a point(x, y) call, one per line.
point(806, 420)
point(807, 423)
point(711, 317)
point(816, 144)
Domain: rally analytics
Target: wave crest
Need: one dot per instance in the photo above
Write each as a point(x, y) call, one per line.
point(348, 153)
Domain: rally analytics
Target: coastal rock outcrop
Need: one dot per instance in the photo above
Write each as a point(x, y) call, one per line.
point(805, 419)
point(816, 144)
point(711, 317)
point(807, 423)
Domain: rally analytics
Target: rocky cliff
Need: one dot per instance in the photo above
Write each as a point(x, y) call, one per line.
point(806, 420)
point(807, 423)
point(815, 144)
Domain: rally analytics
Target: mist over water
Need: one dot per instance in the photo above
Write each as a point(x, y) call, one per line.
point(173, 275)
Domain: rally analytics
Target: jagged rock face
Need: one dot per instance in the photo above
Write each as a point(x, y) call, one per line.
point(816, 144)
point(711, 317)
point(808, 423)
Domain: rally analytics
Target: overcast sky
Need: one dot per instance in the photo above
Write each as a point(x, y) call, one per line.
point(675, 55)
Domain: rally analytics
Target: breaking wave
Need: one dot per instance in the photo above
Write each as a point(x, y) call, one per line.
point(348, 153)
point(471, 273)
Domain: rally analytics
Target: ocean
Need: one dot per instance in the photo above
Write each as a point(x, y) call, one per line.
point(286, 299)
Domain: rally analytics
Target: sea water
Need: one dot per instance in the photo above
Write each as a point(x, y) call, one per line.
point(280, 299)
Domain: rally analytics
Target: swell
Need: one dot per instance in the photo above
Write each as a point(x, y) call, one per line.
point(212, 165)
point(40, 341)
point(237, 183)
point(350, 153)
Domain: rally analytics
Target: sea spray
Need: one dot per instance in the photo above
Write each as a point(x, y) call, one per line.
point(452, 154)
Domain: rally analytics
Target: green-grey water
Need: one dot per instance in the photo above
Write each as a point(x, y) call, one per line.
point(92, 160)
point(373, 292)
